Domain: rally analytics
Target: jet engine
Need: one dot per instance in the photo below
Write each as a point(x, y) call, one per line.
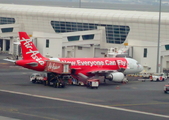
point(116, 77)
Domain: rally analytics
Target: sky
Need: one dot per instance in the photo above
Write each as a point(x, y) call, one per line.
point(136, 5)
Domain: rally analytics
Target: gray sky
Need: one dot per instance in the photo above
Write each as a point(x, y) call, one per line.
point(137, 5)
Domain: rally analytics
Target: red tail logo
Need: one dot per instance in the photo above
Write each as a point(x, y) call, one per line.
point(29, 51)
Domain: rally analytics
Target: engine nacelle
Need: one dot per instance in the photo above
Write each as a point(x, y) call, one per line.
point(116, 77)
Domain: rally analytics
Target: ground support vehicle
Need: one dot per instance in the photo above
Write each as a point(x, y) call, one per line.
point(92, 83)
point(145, 77)
point(55, 74)
point(166, 88)
point(154, 77)
point(38, 77)
point(55, 80)
point(88, 82)
point(158, 77)
point(77, 82)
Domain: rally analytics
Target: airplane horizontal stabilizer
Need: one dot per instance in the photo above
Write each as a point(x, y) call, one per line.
point(10, 60)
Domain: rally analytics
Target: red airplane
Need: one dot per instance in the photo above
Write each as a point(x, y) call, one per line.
point(113, 69)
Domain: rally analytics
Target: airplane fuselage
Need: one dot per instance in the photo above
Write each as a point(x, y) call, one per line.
point(116, 67)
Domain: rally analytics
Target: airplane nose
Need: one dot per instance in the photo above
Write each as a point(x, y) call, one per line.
point(140, 68)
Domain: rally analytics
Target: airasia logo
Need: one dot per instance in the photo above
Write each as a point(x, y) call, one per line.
point(28, 44)
point(53, 66)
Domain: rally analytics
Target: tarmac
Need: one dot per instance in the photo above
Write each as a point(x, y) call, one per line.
point(22, 100)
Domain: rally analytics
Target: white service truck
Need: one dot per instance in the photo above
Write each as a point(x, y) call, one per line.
point(38, 77)
point(166, 88)
point(158, 77)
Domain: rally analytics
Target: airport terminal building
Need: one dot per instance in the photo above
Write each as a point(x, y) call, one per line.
point(79, 32)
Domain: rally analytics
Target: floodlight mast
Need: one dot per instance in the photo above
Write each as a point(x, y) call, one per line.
point(158, 42)
point(79, 3)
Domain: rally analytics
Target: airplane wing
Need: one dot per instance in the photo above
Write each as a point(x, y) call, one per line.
point(104, 71)
point(101, 71)
point(33, 64)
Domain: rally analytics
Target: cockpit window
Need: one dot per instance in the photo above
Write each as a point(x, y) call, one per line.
point(138, 63)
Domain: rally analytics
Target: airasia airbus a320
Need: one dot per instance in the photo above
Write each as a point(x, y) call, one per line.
point(112, 68)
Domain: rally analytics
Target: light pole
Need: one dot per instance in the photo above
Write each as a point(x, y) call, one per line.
point(158, 43)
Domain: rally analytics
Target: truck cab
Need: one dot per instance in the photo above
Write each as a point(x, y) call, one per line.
point(38, 77)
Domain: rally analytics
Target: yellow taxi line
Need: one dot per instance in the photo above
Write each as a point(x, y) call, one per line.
point(4, 63)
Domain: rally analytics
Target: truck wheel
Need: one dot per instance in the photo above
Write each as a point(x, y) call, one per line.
point(40, 82)
point(165, 91)
point(163, 79)
point(33, 81)
point(63, 86)
point(157, 79)
point(44, 83)
point(55, 85)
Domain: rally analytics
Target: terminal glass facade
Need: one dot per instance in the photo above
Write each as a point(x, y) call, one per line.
point(167, 47)
point(73, 38)
point(6, 20)
point(5, 30)
point(115, 34)
point(88, 37)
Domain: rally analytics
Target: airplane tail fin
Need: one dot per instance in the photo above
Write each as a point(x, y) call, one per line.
point(29, 50)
